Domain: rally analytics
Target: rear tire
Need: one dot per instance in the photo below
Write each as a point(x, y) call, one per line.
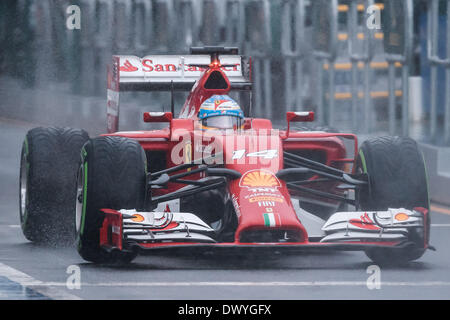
point(112, 175)
point(48, 169)
point(397, 179)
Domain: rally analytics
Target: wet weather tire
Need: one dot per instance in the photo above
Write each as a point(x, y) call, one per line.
point(49, 163)
point(112, 175)
point(397, 179)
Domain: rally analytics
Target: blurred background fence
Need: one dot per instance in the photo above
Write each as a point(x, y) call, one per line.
point(307, 55)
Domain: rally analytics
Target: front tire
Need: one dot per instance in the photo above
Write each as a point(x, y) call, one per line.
point(397, 179)
point(112, 175)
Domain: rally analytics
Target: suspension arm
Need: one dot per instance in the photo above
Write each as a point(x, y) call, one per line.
point(190, 190)
point(321, 193)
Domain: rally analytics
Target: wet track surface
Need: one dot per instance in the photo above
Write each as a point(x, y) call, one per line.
point(29, 271)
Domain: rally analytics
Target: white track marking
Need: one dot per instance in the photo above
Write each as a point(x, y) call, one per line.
point(258, 284)
point(38, 286)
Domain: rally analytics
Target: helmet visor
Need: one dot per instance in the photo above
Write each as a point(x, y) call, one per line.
point(222, 122)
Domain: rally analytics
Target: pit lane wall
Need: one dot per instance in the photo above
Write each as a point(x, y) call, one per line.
point(57, 106)
point(437, 160)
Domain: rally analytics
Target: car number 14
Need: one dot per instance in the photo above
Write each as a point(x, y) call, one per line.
point(266, 154)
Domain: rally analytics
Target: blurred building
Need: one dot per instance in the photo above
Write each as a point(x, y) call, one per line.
point(301, 60)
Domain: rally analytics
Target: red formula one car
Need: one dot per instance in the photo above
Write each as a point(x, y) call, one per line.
point(216, 179)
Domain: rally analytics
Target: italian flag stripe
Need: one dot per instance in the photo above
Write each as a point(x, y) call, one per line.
point(269, 220)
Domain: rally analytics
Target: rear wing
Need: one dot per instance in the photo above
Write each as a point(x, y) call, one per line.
point(167, 73)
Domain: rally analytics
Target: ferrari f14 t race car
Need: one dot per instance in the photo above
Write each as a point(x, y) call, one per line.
point(216, 178)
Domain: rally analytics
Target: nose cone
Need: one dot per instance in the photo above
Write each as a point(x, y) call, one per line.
point(264, 208)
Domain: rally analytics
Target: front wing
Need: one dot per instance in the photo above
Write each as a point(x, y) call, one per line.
point(126, 230)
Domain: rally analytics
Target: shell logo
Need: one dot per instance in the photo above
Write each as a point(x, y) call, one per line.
point(401, 216)
point(259, 178)
point(137, 218)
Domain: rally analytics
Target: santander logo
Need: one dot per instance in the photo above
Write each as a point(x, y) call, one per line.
point(128, 67)
point(364, 223)
point(163, 65)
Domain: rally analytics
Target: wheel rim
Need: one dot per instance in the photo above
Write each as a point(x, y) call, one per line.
point(23, 186)
point(79, 199)
point(358, 170)
point(217, 225)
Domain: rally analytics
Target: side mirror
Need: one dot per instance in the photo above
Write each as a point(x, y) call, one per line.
point(297, 116)
point(301, 116)
point(158, 116)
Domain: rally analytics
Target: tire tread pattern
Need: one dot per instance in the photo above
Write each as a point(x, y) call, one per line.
point(53, 156)
point(397, 179)
point(116, 180)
